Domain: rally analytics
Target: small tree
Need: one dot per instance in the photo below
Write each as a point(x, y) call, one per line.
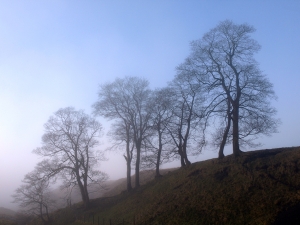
point(69, 150)
point(34, 196)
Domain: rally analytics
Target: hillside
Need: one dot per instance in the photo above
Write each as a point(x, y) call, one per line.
point(116, 187)
point(7, 216)
point(6, 212)
point(259, 187)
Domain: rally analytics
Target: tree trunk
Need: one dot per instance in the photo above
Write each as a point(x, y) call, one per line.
point(235, 130)
point(128, 159)
point(225, 134)
point(137, 165)
point(157, 174)
point(85, 188)
point(83, 192)
point(128, 175)
point(41, 214)
point(87, 198)
point(47, 213)
point(187, 162)
point(180, 152)
point(129, 187)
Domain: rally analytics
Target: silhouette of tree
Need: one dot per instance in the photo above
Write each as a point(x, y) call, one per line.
point(159, 147)
point(121, 135)
point(125, 100)
point(34, 196)
point(186, 125)
point(222, 62)
point(69, 150)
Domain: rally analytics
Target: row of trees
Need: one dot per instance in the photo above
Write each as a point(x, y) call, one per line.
point(153, 126)
point(217, 90)
point(218, 84)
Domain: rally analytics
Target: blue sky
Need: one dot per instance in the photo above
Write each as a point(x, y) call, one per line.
point(54, 54)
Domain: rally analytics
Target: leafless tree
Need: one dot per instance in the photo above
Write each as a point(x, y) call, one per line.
point(125, 100)
point(121, 136)
point(222, 134)
point(158, 146)
point(69, 150)
point(222, 61)
point(186, 124)
point(34, 196)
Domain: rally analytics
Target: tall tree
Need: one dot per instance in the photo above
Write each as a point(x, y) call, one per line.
point(223, 61)
point(186, 121)
point(69, 150)
point(158, 145)
point(126, 100)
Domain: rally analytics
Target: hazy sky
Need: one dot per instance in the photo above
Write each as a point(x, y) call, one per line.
point(55, 53)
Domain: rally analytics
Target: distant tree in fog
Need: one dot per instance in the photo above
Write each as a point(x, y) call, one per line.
point(121, 137)
point(34, 196)
point(69, 148)
point(125, 100)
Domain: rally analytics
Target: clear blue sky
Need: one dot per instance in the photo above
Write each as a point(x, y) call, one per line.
point(55, 53)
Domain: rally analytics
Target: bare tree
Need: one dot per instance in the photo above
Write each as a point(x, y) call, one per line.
point(126, 100)
point(121, 135)
point(224, 131)
point(34, 196)
point(185, 125)
point(69, 150)
point(223, 63)
point(158, 146)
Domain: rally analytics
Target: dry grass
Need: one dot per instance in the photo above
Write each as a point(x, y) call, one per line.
point(118, 186)
point(261, 187)
point(7, 222)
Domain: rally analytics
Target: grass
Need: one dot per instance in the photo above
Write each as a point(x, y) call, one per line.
point(260, 187)
point(6, 222)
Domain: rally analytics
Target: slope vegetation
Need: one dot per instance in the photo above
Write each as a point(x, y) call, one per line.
point(259, 187)
point(7, 216)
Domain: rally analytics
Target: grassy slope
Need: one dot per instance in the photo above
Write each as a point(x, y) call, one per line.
point(120, 185)
point(261, 187)
point(7, 216)
point(6, 222)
